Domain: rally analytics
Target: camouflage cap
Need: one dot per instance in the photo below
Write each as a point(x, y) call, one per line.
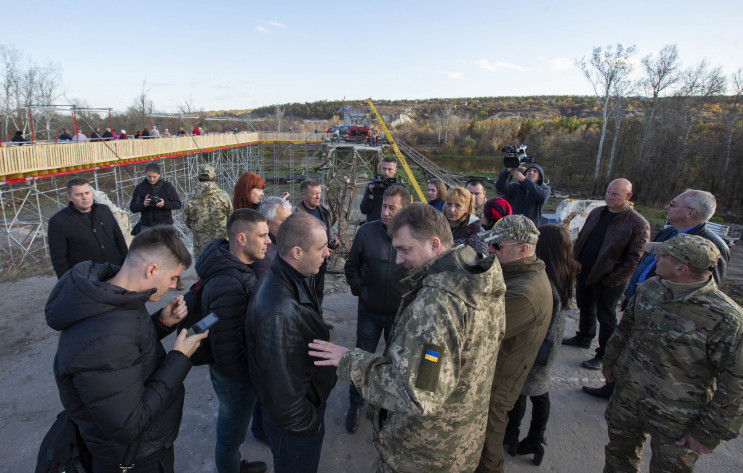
point(206, 173)
point(691, 250)
point(515, 227)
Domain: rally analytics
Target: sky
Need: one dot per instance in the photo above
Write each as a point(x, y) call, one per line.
point(245, 54)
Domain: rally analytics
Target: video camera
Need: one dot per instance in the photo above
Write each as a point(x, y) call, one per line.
point(381, 184)
point(515, 157)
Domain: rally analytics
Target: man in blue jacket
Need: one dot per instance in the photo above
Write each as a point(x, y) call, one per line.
point(528, 192)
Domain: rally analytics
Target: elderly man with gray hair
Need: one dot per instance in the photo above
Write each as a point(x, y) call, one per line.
point(688, 214)
point(276, 210)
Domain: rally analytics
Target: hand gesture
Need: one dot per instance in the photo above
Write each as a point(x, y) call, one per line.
point(188, 344)
point(147, 200)
point(174, 312)
point(689, 442)
point(331, 354)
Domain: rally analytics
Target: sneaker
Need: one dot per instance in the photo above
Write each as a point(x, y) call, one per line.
point(594, 363)
point(576, 342)
point(252, 467)
point(603, 392)
point(352, 419)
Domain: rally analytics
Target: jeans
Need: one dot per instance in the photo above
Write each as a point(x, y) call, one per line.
point(236, 402)
point(597, 302)
point(292, 454)
point(369, 327)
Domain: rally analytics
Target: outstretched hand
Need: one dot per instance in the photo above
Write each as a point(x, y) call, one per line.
point(331, 354)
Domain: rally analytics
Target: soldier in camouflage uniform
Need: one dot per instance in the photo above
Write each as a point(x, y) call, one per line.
point(433, 380)
point(677, 361)
point(207, 210)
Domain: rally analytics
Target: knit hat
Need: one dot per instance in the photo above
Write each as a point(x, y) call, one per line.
point(497, 208)
point(515, 227)
point(691, 250)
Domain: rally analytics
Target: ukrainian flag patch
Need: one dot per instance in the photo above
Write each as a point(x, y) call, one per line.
point(429, 367)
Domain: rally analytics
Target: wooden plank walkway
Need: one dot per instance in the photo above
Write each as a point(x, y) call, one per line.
point(30, 161)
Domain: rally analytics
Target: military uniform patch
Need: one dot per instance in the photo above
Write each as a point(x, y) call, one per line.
point(429, 368)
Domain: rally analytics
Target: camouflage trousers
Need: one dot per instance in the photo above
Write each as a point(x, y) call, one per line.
point(629, 427)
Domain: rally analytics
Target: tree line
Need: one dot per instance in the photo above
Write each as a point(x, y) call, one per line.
point(663, 125)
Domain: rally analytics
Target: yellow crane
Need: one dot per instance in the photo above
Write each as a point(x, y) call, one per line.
point(400, 156)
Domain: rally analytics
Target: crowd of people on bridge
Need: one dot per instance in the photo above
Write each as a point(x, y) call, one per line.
point(467, 295)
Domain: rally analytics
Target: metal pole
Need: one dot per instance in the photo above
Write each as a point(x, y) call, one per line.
point(31, 119)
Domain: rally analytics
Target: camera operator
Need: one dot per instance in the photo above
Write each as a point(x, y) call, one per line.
point(371, 204)
point(527, 194)
point(154, 198)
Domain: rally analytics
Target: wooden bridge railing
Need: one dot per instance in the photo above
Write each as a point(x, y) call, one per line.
point(30, 160)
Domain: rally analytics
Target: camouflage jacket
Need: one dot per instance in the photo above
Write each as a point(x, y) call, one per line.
point(677, 351)
point(207, 210)
point(435, 375)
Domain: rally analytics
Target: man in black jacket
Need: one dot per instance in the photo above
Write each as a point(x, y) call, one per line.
point(687, 213)
point(374, 277)
point(155, 199)
point(283, 318)
point(224, 268)
point(528, 193)
point(84, 231)
point(114, 377)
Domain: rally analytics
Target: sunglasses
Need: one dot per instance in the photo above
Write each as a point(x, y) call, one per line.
point(498, 246)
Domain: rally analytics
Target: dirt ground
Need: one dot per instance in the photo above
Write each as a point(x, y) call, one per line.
point(29, 400)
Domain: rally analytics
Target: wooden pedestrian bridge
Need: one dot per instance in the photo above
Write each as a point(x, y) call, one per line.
point(40, 160)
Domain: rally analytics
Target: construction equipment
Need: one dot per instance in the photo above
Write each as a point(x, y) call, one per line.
point(397, 151)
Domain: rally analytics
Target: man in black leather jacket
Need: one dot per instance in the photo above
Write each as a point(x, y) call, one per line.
point(225, 271)
point(282, 319)
point(113, 374)
point(374, 277)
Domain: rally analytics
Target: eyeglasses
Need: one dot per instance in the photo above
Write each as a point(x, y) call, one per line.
point(674, 204)
point(498, 246)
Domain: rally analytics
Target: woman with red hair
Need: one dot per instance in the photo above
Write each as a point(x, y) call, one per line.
point(248, 191)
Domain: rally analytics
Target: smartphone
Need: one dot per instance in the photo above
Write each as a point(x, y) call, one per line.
point(202, 325)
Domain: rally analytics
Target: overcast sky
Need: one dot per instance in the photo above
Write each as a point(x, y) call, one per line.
point(245, 54)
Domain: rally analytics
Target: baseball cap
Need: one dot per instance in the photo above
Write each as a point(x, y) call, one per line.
point(207, 173)
point(691, 250)
point(515, 227)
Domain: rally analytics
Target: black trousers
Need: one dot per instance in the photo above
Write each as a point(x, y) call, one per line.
point(597, 302)
point(540, 414)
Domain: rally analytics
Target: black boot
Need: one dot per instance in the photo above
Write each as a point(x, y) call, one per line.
point(511, 441)
point(532, 445)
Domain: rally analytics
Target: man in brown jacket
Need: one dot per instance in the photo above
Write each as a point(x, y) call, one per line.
point(513, 240)
point(609, 246)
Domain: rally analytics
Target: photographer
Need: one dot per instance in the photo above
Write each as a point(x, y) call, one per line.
point(154, 198)
point(371, 204)
point(527, 194)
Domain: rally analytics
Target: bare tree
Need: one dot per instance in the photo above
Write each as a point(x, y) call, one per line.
point(142, 106)
point(605, 70)
point(279, 113)
point(698, 84)
point(11, 64)
point(661, 72)
point(732, 112)
point(618, 111)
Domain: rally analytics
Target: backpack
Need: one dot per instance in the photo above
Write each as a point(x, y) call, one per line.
point(203, 355)
point(63, 449)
